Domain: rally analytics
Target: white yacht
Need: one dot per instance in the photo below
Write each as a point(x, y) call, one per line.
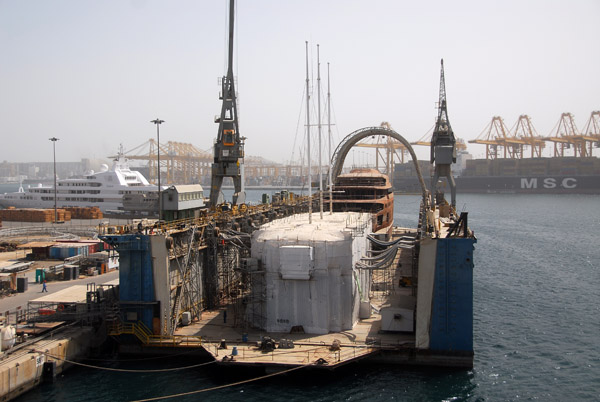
point(104, 189)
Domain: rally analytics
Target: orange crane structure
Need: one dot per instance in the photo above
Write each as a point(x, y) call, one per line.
point(592, 128)
point(182, 162)
point(525, 131)
point(497, 136)
point(566, 134)
point(394, 150)
point(500, 142)
point(425, 140)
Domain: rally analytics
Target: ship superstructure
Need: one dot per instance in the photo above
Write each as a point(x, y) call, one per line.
point(365, 190)
point(104, 189)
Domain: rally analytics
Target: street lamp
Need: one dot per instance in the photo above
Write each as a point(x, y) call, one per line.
point(158, 122)
point(54, 139)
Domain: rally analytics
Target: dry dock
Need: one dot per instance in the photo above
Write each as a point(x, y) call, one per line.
point(231, 345)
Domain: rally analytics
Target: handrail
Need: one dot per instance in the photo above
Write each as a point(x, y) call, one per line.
point(141, 331)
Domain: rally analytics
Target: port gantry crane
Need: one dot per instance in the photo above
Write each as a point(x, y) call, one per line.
point(443, 145)
point(229, 146)
point(497, 135)
point(567, 134)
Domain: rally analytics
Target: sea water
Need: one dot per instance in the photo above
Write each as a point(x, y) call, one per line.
point(536, 324)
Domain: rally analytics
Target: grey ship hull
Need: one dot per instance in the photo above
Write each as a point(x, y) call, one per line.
point(541, 184)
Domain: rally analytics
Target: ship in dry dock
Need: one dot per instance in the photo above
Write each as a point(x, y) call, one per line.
point(275, 286)
point(292, 293)
point(365, 190)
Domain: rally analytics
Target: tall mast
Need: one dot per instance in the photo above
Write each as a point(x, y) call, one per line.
point(329, 137)
point(229, 146)
point(319, 126)
point(308, 139)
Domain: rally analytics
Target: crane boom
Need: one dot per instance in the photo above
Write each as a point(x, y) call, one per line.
point(443, 144)
point(229, 146)
point(442, 134)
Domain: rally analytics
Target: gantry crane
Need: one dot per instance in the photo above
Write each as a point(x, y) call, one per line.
point(184, 163)
point(592, 128)
point(496, 135)
point(566, 134)
point(229, 145)
point(443, 145)
point(525, 131)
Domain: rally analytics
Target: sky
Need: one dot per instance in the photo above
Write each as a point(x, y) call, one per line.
point(94, 73)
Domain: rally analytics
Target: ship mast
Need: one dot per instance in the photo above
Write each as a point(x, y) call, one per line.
point(229, 146)
point(443, 145)
point(329, 137)
point(308, 140)
point(319, 127)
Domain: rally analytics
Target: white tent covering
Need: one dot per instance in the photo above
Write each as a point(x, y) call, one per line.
point(310, 279)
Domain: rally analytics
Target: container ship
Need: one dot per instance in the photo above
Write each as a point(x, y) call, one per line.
point(558, 175)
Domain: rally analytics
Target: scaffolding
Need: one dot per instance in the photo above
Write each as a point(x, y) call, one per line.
point(185, 256)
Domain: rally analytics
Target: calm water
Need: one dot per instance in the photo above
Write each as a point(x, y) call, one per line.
point(537, 323)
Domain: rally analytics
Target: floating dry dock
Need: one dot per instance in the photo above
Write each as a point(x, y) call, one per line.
point(292, 293)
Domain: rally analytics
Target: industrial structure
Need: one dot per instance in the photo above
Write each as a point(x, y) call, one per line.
point(229, 146)
point(184, 163)
point(255, 277)
point(443, 145)
point(393, 151)
point(502, 142)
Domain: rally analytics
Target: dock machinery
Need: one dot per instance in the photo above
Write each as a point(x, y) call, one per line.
point(229, 146)
point(443, 146)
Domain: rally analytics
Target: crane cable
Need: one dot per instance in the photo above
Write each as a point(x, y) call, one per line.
point(224, 386)
point(122, 370)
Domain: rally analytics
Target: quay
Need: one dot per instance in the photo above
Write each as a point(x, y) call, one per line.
point(46, 342)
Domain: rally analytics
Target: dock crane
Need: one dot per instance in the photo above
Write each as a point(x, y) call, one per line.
point(229, 146)
point(443, 145)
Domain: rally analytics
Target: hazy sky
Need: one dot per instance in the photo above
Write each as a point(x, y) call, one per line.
point(94, 73)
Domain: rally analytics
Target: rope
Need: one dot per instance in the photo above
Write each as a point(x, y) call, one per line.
point(143, 358)
point(222, 386)
point(122, 370)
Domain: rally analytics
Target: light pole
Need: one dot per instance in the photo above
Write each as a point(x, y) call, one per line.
point(54, 139)
point(158, 122)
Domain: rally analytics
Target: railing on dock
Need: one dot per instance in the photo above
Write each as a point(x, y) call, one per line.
point(145, 336)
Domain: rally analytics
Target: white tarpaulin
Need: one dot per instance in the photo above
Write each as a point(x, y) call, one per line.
point(309, 271)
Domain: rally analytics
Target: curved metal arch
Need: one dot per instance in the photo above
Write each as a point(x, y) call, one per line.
point(339, 156)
